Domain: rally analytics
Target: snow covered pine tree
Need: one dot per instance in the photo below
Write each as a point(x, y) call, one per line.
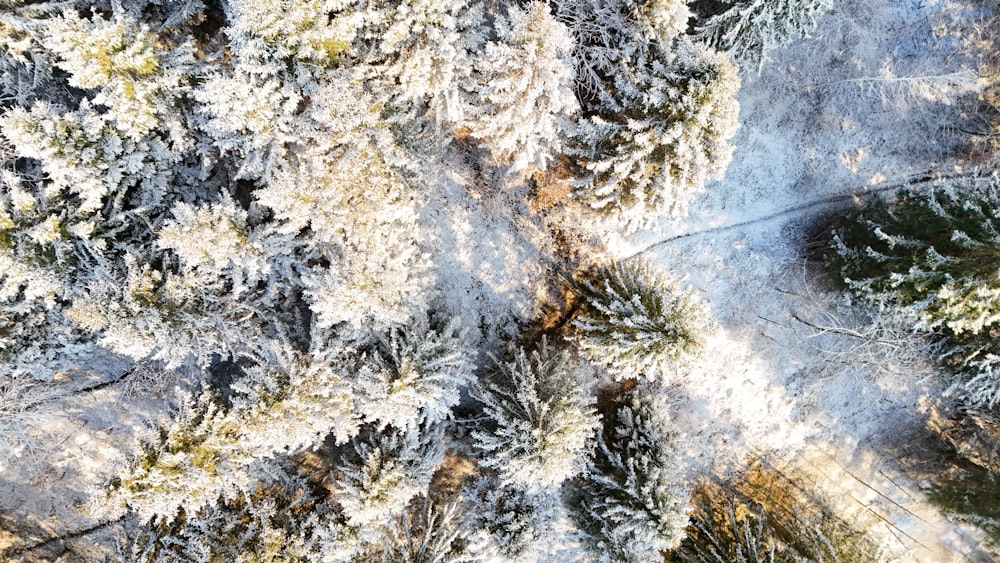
point(657, 110)
point(540, 420)
point(630, 502)
point(635, 322)
point(931, 255)
point(749, 29)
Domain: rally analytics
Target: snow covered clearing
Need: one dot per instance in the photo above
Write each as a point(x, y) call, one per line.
point(827, 119)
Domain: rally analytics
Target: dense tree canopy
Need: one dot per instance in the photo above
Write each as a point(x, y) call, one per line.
point(263, 206)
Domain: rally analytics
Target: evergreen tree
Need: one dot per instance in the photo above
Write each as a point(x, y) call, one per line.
point(515, 519)
point(94, 142)
point(932, 253)
point(215, 245)
point(212, 450)
point(615, 40)
point(540, 420)
point(523, 87)
point(26, 67)
point(975, 360)
point(630, 502)
point(657, 110)
point(635, 322)
point(750, 29)
point(430, 533)
point(931, 256)
point(418, 54)
point(266, 524)
point(127, 133)
point(103, 172)
point(346, 183)
point(380, 471)
point(414, 376)
point(144, 313)
point(39, 266)
point(138, 81)
point(668, 138)
point(305, 115)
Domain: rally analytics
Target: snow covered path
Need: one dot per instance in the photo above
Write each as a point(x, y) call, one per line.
point(770, 385)
point(809, 208)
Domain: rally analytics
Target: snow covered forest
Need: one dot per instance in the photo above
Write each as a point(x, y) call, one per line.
point(680, 281)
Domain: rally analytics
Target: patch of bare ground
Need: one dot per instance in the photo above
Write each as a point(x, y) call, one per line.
point(454, 472)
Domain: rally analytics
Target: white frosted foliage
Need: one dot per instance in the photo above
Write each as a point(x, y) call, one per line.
point(214, 240)
point(669, 137)
point(750, 29)
point(523, 88)
point(384, 472)
point(414, 376)
point(631, 501)
point(541, 420)
point(636, 322)
point(207, 452)
point(134, 76)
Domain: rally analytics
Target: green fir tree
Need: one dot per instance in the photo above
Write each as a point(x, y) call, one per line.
point(932, 255)
point(635, 322)
point(631, 503)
